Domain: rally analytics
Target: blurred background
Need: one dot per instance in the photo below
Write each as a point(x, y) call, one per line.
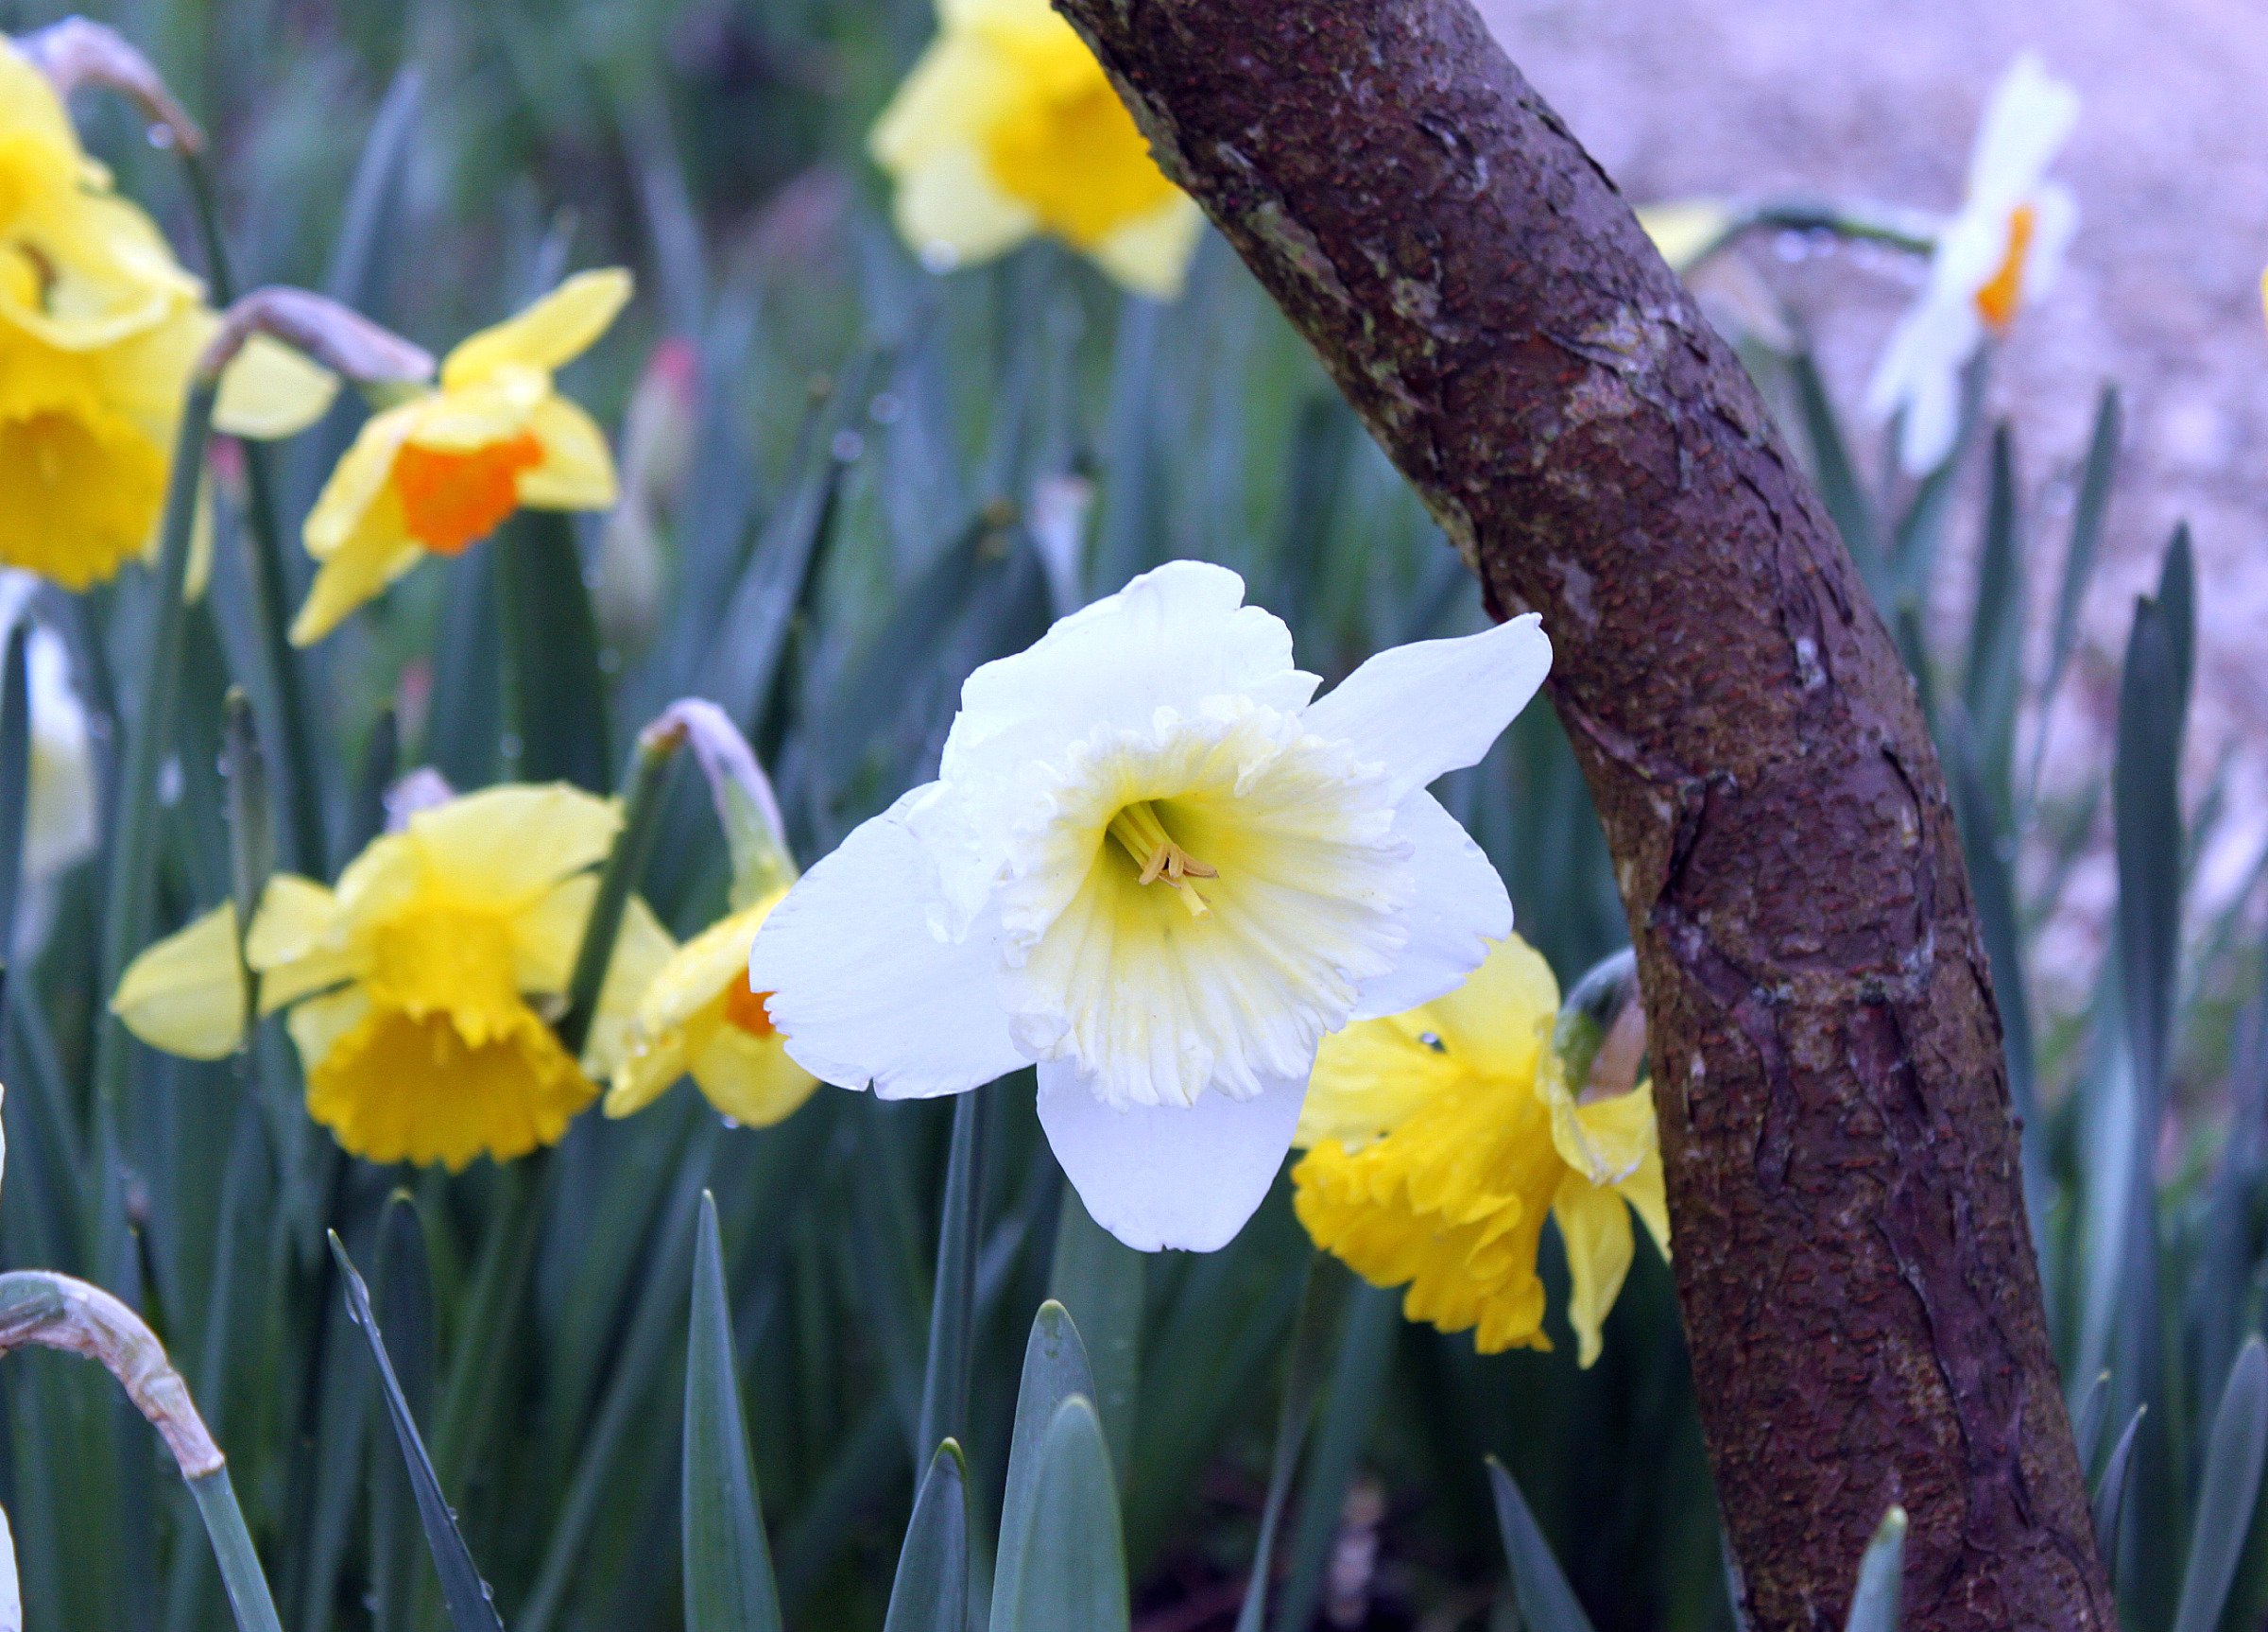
point(2161, 292)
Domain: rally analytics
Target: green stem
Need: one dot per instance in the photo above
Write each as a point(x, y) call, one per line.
point(648, 779)
point(507, 1254)
point(1862, 223)
point(953, 1304)
point(299, 779)
point(232, 1551)
point(128, 909)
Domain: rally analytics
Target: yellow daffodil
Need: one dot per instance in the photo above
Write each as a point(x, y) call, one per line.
point(419, 989)
point(1437, 1141)
point(699, 1017)
point(438, 473)
point(99, 329)
point(697, 1014)
point(1006, 128)
point(1998, 252)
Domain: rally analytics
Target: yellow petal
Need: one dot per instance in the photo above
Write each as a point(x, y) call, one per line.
point(1683, 229)
point(359, 481)
point(547, 935)
point(480, 413)
point(1595, 1226)
point(32, 114)
point(1150, 254)
point(555, 330)
point(1642, 1190)
point(641, 950)
point(1607, 1139)
point(679, 1007)
point(270, 390)
point(185, 994)
point(297, 942)
point(1499, 1021)
point(506, 846)
point(577, 471)
point(1369, 1079)
point(643, 1072)
point(356, 528)
point(750, 1079)
point(950, 207)
point(945, 101)
point(317, 1024)
point(953, 213)
point(380, 551)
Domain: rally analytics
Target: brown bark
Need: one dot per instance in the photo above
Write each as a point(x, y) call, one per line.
point(1853, 1254)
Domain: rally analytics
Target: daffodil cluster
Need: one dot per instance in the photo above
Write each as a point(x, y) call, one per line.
point(423, 992)
point(1438, 1141)
point(99, 330)
point(1007, 127)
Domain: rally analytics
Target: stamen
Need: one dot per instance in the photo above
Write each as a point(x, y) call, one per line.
point(1140, 830)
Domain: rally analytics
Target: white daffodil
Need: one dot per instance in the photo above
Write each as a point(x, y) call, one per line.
point(59, 816)
point(2001, 250)
point(1154, 866)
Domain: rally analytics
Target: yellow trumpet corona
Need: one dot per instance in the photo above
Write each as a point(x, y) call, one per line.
point(419, 989)
point(1437, 1141)
point(99, 329)
point(438, 474)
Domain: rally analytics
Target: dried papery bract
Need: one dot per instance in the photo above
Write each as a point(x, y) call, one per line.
point(50, 1310)
point(745, 806)
point(77, 52)
point(340, 338)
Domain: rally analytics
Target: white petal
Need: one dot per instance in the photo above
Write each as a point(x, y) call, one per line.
point(1159, 1175)
point(1920, 373)
point(2056, 224)
point(863, 992)
point(2031, 116)
point(1460, 908)
point(1173, 639)
point(1436, 706)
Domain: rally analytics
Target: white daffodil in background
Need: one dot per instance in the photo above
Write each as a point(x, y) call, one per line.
point(58, 816)
point(2000, 251)
point(1156, 866)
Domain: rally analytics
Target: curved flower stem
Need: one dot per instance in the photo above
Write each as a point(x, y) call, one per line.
point(50, 1310)
point(642, 794)
point(232, 1551)
point(1892, 228)
point(299, 784)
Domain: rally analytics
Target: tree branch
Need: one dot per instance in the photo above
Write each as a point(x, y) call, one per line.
point(1852, 1255)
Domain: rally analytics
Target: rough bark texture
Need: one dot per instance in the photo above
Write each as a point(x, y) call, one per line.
point(1853, 1254)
